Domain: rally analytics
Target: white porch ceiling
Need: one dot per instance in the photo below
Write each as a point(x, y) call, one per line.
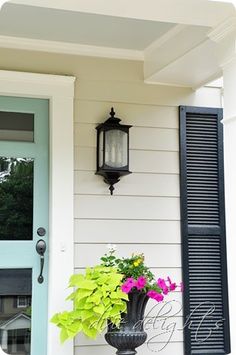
point(80, 28)
point(169, 36)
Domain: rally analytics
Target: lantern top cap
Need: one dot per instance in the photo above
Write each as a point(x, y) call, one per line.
point(112, 122)
point(112, 119)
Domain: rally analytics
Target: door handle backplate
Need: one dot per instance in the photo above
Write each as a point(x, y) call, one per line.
point(41, 248)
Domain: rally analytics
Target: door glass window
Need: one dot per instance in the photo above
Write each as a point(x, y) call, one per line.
point(15, 311)
point(16, 126)
point(16, 198)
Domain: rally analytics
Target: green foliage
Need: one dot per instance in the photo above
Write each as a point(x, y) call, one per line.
point(130, 267)
point(16, 198)
point(101, 294)
point(97, 298)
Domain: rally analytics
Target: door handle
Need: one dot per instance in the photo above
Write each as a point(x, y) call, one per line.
point(41, 248)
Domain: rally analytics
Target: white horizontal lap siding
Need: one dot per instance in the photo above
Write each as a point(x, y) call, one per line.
point(138, 93)
point(142, 216)
point(146, 203)
point(126, 207)
point(151, 348)
point(159, 330)
point(158, 138)
point(142, 116)
point(159, 255)
point(141, 161)
point(121, 231)
point(86, 182)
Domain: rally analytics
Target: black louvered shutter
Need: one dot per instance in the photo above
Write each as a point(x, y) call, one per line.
point(205, 296)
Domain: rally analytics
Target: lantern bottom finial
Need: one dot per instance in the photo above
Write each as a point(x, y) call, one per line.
point(111, 188)
point(111, 179)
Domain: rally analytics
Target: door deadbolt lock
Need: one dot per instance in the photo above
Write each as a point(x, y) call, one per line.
point(41, 231)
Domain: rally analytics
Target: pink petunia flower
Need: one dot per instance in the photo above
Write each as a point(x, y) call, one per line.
point(155, 295)
point(141, 282)
point(159, 297)
point(172, 285)
point(130, 281)
point(152, 294)
point(161, 283)
point(126, 288)
point(169, 280)
point(128, 285)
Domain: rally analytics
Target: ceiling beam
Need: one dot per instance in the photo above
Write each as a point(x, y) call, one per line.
point(172, 46)
point(203, 68)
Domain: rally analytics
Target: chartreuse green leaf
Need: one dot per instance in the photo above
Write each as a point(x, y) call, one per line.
point(122, 295)
point(86, 314)
point(75, 280)
point(87, 284)
point(102, 279)
point(81, 293)
point(89, 305)
point(97, 298)
point(63, 335)
point(55, 319)
point(99, 309)
point(89, 331)
point(80, 303)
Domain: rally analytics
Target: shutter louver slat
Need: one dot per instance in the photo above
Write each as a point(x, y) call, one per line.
point(203, 207)
point(203, 232)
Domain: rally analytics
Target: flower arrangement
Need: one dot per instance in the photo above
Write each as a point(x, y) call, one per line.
point(101, 294)
point(138, 276)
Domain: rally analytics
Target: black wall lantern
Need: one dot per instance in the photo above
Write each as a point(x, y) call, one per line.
point(112, 150)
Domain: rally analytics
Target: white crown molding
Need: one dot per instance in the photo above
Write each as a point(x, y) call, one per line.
point(223, 30)
point(69, 48)
point(162, 83)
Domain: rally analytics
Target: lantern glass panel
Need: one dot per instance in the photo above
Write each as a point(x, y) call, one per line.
point(101, 135)
point(116, 148)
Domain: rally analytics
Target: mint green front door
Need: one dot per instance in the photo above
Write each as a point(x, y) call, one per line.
point(23, 223)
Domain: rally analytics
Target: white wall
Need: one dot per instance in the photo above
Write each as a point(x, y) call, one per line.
point(143, 215)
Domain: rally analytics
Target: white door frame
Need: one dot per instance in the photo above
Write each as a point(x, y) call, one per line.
point(59, 90)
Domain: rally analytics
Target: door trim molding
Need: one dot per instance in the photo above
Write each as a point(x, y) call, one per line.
point(59, 90)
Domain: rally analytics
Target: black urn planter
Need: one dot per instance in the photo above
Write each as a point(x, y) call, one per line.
point(130, 334)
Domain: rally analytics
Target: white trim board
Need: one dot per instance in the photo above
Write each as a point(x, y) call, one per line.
point(69, 48)
point(60, 92)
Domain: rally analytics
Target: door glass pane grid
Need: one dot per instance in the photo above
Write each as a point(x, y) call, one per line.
point(16, 126)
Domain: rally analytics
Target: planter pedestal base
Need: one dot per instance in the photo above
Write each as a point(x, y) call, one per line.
point(130, 334)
